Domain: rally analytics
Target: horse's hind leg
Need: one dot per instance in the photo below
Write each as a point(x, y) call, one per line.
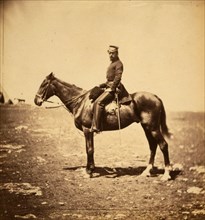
point(164, 148)
point(155, 138)
point(153, 147)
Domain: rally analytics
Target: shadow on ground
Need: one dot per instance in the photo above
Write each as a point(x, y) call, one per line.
point(115, 172)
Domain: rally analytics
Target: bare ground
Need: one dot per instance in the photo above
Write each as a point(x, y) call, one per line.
point(42, 169)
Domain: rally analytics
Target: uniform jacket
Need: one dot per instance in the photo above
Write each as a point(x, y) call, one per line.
point(114, 75)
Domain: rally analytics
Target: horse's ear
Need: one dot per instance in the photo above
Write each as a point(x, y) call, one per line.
point(50, 76)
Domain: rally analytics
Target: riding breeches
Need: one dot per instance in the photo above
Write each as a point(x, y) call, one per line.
point(99, 106)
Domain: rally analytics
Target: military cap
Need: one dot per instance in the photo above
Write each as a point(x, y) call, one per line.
point(112, 48)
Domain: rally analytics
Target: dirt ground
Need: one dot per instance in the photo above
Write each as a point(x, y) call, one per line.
point(42, 169)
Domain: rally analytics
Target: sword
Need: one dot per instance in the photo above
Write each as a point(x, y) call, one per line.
point(118, 115)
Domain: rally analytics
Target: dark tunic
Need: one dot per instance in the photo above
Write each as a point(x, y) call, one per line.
point(114, 74)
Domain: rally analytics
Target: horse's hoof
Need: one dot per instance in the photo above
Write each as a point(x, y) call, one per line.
point(166, 177)
point(90, 169)
point(146, 174)
point(147, 171)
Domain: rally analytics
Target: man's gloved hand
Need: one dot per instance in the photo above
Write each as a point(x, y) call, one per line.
point(108, 90)
point(103, 85)
point(117, 91)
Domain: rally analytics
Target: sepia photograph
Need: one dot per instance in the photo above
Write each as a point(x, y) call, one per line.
point(102, 110)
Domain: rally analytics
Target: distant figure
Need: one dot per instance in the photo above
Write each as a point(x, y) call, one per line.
point(114, 75)
point(2, 100)
point(20, 100)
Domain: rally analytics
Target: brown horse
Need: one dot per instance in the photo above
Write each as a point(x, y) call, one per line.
point(145, 108)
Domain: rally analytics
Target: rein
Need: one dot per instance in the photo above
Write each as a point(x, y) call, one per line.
point(57, 106)
point(66, 103)
point(76, 98)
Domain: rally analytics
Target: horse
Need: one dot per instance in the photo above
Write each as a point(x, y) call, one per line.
point(145, 108)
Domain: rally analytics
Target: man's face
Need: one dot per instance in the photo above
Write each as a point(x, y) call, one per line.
point(113, 55)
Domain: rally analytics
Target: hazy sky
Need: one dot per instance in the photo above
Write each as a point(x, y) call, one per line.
point(161, 46)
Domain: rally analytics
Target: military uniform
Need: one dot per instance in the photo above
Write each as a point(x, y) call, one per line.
point(114, 75)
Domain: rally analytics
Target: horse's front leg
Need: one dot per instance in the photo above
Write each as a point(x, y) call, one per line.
point(89, 150)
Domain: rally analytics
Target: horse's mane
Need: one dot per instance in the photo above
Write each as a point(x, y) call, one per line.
point(70, 85)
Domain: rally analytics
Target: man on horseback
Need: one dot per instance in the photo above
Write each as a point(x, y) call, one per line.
point(143, 107)
point(114, 75)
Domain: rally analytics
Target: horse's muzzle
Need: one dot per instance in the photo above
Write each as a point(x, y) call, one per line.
point(38, 100)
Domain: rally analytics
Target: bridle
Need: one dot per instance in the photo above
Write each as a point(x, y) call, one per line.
point(44, 95)
point(67, 102)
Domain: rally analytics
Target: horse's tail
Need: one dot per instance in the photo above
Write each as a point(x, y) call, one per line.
point(163, 123)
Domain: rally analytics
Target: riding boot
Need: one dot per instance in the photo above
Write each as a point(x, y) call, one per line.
point(98, 108)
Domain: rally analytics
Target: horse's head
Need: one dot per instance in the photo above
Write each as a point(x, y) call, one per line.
point(45, 91)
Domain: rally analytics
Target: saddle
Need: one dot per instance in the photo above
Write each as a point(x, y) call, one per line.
point(123, 96)
point(95, 93)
